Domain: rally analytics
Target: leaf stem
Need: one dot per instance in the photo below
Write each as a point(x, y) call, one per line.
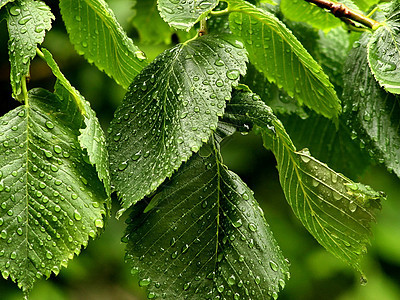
point(24, 90)
point(40, 54)
point(220, 12)
point(203, 27)
point(340, 10)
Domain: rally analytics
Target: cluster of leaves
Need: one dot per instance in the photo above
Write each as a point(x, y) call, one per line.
point(195, 229)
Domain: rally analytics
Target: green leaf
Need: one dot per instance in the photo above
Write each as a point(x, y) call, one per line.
point(92, 137)
point(51, 198)
point(4, 2)
point(206, 226)
point(334, 209)
point(302, 11)
point(27, 22)
point(152, 29)
point(171, 108)
point(338, 147)
point(96, 34)
point(365, 4)
point(374, 113)
point(182, 14)
point(384, 50)
point(282, 58)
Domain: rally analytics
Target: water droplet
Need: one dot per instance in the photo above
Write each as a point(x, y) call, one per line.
point(237, 223)
point(49, 125)
point(99, 223)
point(5, 274)
point(363, 280)
point(219, 83)
point(352, 206)
point(219, 63)
point(252, 227)
point(144, 282)
point(57, 149)
point(315, 183)
point(77, 215)
point(122, 166)
point(39, 28)
point(245, 196)
point(140, 55)
point(186, 286)
point(49, 255)
point(137, 155)
point(282, 283)
point(13, 255)
point(84, 44)
point(231, 280)
point(273, 265)
point(19, 231)
point(233, 74)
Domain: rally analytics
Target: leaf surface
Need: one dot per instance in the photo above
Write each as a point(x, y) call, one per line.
point(182, 14)
point(171, 108)
point(4, 2)
point(96, 34)
point(282, 58)
point(384, 50)
point(365, 4)
point(92, 137)
point(334, 209)
point(152, 28)
point(374, 113)
point(205, 236)
point(27, 22)
point(51, 198)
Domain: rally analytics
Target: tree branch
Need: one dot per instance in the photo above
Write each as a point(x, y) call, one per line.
point(340, 10)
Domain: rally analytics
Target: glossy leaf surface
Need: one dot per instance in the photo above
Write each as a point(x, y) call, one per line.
point(384, 50)
point(204, 235)
point(96, 34)
point(374, 113)
point(182, 14)
point(51, 198)
point(27, 22)
point(282, 58)
point(334, 209)
point(4, 2)
point(170, 110)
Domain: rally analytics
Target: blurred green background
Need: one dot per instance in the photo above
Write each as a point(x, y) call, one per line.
point(100, 272)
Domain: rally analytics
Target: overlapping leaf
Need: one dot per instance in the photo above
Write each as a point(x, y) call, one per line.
point(151, 27)
point(183, 14)
point(374, 113)
point(384, 50)
point(96, 33)
point(172, 107)
point(282, 59)
point(335, 210)
point(27, 22)
point(92, 137)
point(51, 198)
point(204, 235)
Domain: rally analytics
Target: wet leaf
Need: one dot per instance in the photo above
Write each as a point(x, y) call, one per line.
point(282, 58)
point(96, 34)
point(27, 22)
point(205, 235)
point(4, 2)
point(335, 210)
point(170, 110)
point(51, 198)
point(182, 14)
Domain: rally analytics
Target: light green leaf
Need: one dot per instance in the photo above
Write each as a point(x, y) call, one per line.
point(171, 108)
point(183, 14)
point(51, 198)
point(282, 58)
point(152, 29)
point(205, 225)
point(4, 2)
point(374, 113)
point(334, 209)
point(96, 34)
point(302, 11)
point(92, 137)
point(384, 50)
point(365, 4)
point(27, 22)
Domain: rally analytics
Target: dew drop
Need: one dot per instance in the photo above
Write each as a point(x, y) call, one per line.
point(186, 286)
point(49, 255)
point(231, 280)
point(77, 215)
point(273, 265)
point(237, 223)
point(144, 282)
point(19, 231)
point(99, 223)
point(57, 149)
point(122, 166)
point(252, 227)
point(232, 74)
point(13, 255)
point(49, 125)
point(352, 206)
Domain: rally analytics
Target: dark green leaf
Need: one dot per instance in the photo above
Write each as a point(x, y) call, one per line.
point(27, 22)
point(92, 137)
point(334, 209)
point(96, 34)
point(152, 29)
point(374, 113)
point(282, 59)
point(336, 146)
point(384, 50)
point(51, 198)
point(204, 236)
point(183, 14)
point(172, 107)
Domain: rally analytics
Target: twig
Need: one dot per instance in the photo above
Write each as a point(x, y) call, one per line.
point(340, 10)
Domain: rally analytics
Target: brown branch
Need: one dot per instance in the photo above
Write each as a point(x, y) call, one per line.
point(340, 10)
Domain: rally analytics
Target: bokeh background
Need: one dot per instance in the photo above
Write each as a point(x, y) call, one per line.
point(100, 272)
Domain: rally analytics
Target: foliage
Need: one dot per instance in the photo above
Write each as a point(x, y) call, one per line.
point(195, 229)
